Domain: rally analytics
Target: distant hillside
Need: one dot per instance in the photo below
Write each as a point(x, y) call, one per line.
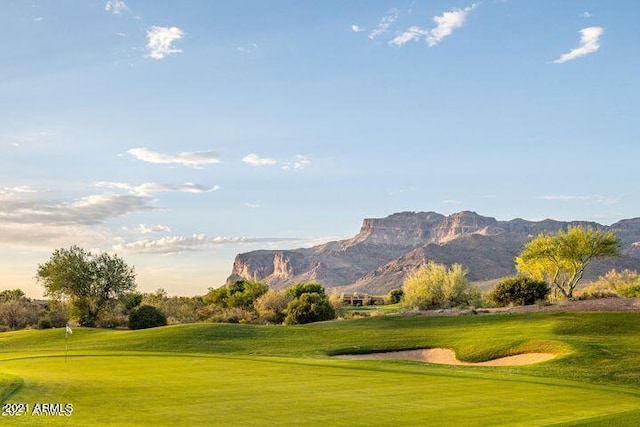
point(386, 249)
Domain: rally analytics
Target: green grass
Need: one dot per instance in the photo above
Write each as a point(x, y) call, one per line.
point(215, 374)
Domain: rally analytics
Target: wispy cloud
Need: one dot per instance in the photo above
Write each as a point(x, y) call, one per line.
point(255, 160)
point(587, 14)
point(252, 205)
point(413, 33)
point(384, 24)
point(248, 49)
point(173, 244)
point(153, 228)
point(148, 188)
point(89, 210)
point(589, 43)
point(446, 23)
point(195, 159)
point(299, 162)
point(160, 41)
point(116, 6)
point(356, 28)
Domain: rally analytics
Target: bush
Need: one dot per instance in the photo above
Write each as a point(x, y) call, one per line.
point(395, 296)
point(625, 283)
point(519, 290)
point(146, 316)
point(238, 294)
point(271, 306)
point(596, 291)
point(436, 286)
point(305, 288)
point(308, 308)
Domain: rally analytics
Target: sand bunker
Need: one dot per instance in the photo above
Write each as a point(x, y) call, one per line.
point(445, 356)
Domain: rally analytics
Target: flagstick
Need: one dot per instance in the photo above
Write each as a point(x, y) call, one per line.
point(66, 345)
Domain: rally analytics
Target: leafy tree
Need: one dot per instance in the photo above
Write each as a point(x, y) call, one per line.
point(146, 316)
point(238, 294)
point(90, 282)
point(436, 286)
point(16, 310)
point(519, 290)
point(561, 258)
point(395, 296)
point(271, 306)
point(308, 308)
point(305, 288)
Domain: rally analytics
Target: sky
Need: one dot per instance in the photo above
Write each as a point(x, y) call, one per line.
point(178, 134)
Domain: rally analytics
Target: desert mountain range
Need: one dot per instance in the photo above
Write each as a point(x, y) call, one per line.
point(377, 259)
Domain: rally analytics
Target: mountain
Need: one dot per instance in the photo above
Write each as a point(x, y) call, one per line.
point(386, 249)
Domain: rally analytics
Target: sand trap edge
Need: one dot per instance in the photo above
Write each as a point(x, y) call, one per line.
point(445, 356)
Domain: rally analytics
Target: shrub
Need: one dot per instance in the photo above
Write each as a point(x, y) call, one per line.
point(239, 293)
point(146, 316)
point(305, 288)
point(519, 290)
point(271, 306)
point(596, 291)
point(625, 283)
point(436, 286)
point(308, 308)
point(395, 296)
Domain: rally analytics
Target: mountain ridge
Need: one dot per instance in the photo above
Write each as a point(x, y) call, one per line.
point(386, 249)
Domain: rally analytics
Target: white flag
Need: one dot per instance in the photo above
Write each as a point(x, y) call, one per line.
point(69, 331)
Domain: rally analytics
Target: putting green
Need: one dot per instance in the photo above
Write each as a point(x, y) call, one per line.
point(185, 390)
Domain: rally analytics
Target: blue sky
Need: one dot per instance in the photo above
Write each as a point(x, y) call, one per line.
point(180, 133)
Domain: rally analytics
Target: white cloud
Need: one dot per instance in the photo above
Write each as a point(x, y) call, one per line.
point(589, 43)
point(384, 24)
point(190, 159)
point(357, 28)
point(252, 205)
point(254, 160)
point(148, 188)
point(173, 244)
point(89, 210)
point(587, 14)
point(153, 228)
point(446, 23)
point(160, 41)
point(413, 33)
point(116, 6)
point(301, 162)
point(18, 189)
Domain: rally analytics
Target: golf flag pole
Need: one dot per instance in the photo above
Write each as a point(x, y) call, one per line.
point(67, 331)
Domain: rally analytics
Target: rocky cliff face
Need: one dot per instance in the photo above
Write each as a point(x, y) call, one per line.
point(386, 249)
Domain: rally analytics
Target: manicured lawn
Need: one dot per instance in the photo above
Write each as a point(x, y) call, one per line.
point(210, 374)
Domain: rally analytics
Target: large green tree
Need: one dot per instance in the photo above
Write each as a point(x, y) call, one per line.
point(561, 258)
point(90, 282)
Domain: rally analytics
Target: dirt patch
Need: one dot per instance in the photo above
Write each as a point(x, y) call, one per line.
point(444, 356)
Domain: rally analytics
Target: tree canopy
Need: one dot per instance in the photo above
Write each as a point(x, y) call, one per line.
point(561, 258)
point(88, 281)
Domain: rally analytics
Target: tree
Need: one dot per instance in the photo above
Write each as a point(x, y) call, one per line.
point(16, 310)
point(436, 286)
point(146, 316)
point(519, 290)
point(238, 294)
point(90, 282)
point(561, 258)
point(271, 306)
point(308, 308)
